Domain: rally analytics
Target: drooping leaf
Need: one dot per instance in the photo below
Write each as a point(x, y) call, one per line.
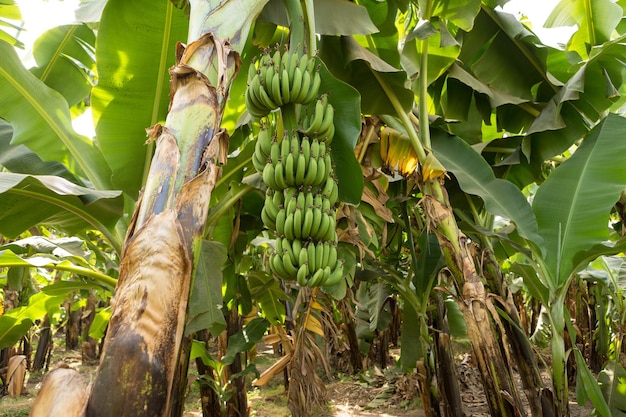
point(64, 288)
point(65, 57)
point(15, 323)
point(532, 281)
point(21, 160)
point(586, 380)
point(10, 16)
point(475, 176)
point(100, 323)
point(409, 338)
point(205, 304)
point(572, 206)
point(329, 17)
point(136, 46)
point(357, 66)
point(245, 339)
point(267, 292)
point(41, 120)
point(612, 382)
point(28, 200)
point(503, 54)
point(596, 21)
point(346, 102)
point(459, 12)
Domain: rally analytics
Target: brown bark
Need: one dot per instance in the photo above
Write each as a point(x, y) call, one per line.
point(44, 346)
point(447, 377)
point(501, 393)
point(63, 393)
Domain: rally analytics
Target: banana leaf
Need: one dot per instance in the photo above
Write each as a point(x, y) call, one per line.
point(572, 206)
point(136, 46)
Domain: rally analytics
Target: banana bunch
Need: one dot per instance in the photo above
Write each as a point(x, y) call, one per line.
point(295, 164)
point(292, 162)
point(280, 78)
point(313, 263)
point(320, 124)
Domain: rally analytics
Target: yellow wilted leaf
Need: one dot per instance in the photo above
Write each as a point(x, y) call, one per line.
point(432, 168)
point(317, 306)
point(314, 325)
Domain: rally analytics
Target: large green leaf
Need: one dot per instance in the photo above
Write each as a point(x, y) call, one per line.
point(459, 12)
point(9, 259)
point(15, 323)
point(330, 17)
point(504, 55)
point(352, 63)
point(572, 206)
point(595, 19)
point(346, 102)
point(10, 16)
point(65, 58)
point(267, 292)
point(27, 200)
point(440, 55)
point(135, 48)
point(245, 339)
point(21, 160)
point(475, 177)
point(41, 120)
point(205, 305)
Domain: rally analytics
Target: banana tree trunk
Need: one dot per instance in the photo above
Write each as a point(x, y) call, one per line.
point(143, 364)
point(502, 396)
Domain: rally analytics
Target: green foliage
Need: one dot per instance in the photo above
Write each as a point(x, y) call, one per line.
point(205, 304)
point(572, 206)
point(40, 117)
point(132, 62)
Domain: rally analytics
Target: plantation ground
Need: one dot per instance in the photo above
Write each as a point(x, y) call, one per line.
point(373, 393)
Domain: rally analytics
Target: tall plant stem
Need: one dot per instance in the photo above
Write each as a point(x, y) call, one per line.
point(145, 355)
point(501, 394)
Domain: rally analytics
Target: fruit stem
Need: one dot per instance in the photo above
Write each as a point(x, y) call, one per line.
point(296, 22)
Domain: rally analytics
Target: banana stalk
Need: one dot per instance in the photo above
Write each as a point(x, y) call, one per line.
point(144, 361)
point(502, 395)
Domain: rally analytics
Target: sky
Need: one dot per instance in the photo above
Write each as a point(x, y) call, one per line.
point(40, 15)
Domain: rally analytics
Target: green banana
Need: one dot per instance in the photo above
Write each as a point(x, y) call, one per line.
point(315, 148)
point(289, 232)
point(303, 256)
point(296, 84)
point(307, 223)
point(269, 176)
point(317, 279)
point(267, 219)
point(297, 223)
point(311, 173)
point(272, 209)
point(275, 93)
point(290, 170)
point(321, 172)
point(315, 222)
point(296, 247)
point(279, 175)
point(257, 159)
point(302, 275)
point(314, 88)
point(335, 276)
point(276, 265)
point(285, 89)
point(281, 218)
point(304, 88)
point(310, 248)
